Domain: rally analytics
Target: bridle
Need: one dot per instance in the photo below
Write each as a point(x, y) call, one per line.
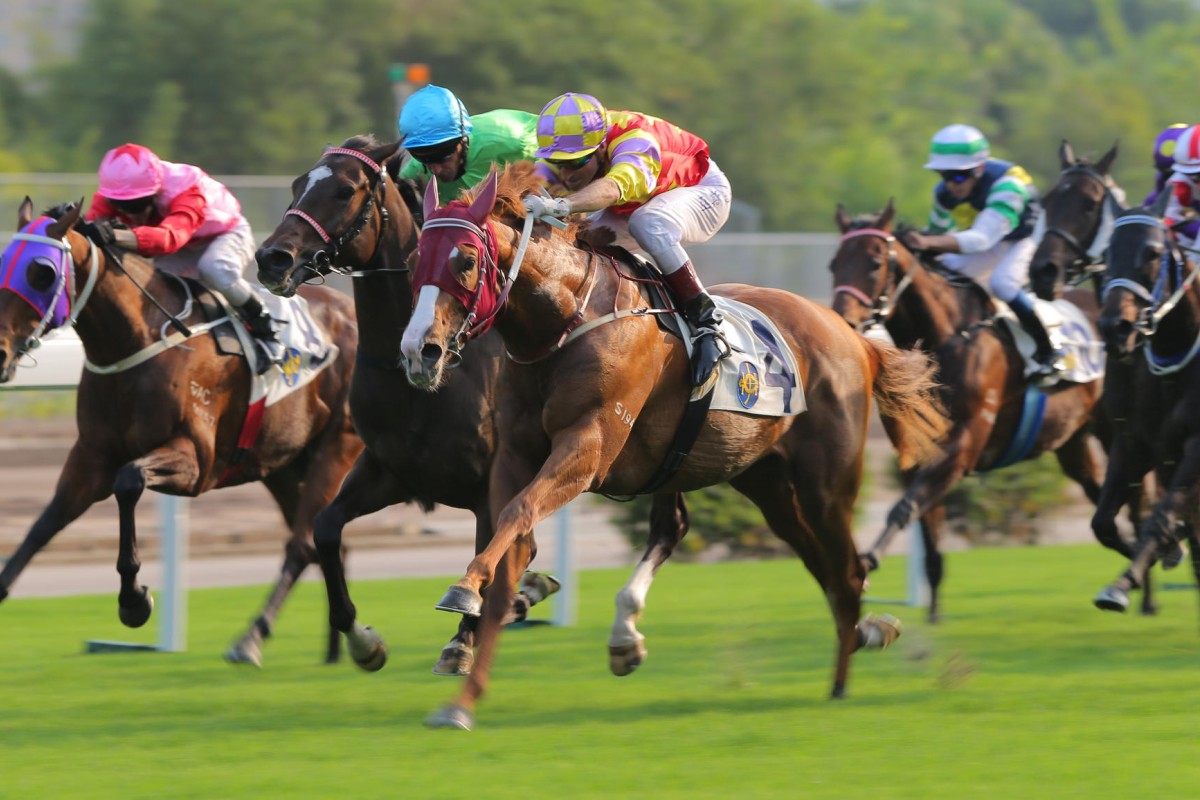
point(1087, 257)
point(884, 305)
point(65, 272)
point(1156, 307)
point(325, 261)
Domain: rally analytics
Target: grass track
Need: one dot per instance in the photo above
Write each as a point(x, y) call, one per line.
point(1024, 691)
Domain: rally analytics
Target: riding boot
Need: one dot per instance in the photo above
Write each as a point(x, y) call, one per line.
point(1048, 358)
point(701, 312)
point(263, 328)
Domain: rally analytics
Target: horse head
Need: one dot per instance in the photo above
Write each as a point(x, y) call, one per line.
point(1076, 221)
point(1133, 267)
point(37, 282)
point(864, 266)
point(338, 217)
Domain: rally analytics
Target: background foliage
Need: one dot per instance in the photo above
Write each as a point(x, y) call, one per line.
point(804, 103)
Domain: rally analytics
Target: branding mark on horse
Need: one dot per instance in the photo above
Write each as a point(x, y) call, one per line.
point(624, 413)
point(201, 393)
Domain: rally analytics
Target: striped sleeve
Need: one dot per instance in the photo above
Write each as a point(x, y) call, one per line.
point(940, 218)
point(636, 163)
point(1010, 195)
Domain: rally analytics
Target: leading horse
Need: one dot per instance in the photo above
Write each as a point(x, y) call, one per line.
point(594, 392)
point(1151, 323)
point(349, 215)
point(170, 418)
point(996, 419)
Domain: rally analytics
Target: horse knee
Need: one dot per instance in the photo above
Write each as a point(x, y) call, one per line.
point(327, 531)
point(129, 483)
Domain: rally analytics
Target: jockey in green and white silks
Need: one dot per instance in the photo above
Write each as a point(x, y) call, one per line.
point(459, 149)
point(982, 221)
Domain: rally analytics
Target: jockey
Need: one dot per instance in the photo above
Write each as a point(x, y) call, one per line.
point(1184, 186)
point(650, 181)
point(191, 224)
point(982, 220)
point(457, 149)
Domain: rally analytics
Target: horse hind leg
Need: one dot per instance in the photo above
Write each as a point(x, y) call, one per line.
point(170, 468)
point(669, 523)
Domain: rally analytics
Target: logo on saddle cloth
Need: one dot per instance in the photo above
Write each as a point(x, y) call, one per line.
point(761, 377)
point(307, 348)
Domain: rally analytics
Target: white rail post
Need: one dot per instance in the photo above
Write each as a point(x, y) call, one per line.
point(918, 586)
point(173, 550)
point(566, 601)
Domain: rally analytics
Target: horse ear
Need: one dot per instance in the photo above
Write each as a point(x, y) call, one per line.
point(380, 155)
point(1160, 203)
point(1066, 154)
point(842, 218)
point(25, 213)
point(885, 219)
point(485, 201)
point(431, 197)
point(58, 229)
point(1105, 164)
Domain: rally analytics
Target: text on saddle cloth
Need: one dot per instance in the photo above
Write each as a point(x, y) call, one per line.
point(307, 348)
point(761, 375)
point(1069, 329)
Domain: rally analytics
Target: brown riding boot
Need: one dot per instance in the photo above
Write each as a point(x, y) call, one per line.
point(701, 312)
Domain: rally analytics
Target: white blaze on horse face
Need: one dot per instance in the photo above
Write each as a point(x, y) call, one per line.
point(315, 176)
point(419, 325)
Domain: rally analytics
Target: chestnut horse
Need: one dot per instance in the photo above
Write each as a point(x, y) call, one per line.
point(1151, 322)
point(350, 216)
point(594, 391)
point(173, 421)
point(877, 279)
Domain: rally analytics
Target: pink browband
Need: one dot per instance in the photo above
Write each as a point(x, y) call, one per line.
point(337, 151)
point(858, 294)
point(882, 234)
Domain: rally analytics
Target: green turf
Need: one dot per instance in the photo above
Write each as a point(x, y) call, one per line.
point(1023, 691)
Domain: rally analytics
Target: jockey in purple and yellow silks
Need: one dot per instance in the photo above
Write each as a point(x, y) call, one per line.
point(647, 180)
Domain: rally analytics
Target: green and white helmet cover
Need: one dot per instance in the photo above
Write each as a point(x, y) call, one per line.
point(957, 147)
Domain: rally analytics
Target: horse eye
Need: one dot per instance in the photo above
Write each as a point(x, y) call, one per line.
point(41, 275)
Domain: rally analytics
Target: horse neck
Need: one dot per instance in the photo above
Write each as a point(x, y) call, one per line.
point(1181, 326)
point(930, 311)
point(546, 295)
point(383, 303)
point(113, 323)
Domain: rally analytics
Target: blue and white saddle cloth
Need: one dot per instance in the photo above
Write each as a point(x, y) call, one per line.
point(761, 375)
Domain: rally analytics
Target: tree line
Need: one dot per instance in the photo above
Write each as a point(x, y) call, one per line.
point(804, 103)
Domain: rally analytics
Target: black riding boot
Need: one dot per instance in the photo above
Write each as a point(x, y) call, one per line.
point(702, 314)
point(265, 332)
point(1046, 354)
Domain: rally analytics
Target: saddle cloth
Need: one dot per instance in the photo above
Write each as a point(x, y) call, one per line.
point(307, 349)
point(1070, 330)
point(761, 375)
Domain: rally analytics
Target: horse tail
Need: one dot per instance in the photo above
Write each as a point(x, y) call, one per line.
point(906, 388)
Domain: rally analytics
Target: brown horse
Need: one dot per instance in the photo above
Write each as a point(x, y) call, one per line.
point(876, 278)
point(175, 422)
point(1077, 221)
point(594, 391)
point(1151, 322)
point(350, 216)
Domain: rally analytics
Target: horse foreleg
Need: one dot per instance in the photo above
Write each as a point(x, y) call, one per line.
point(83, 481)
point(368, 488)
point(1123, 485)
point(497, 600)
point(932, 523)
point(668, 525)
point(171, 467)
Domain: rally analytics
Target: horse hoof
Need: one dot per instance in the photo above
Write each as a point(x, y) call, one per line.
point(1171, 555)
point(538, 586)
point(455, 660)
point(623, 659)
point(245, 652)
point(1112, 599)
point(461, 600)
point(870, 562)
point(135, 616)
point(451, 716)
point(367, 648)
point(876, 633)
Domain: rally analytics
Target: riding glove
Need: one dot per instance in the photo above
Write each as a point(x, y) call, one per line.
point(540, 206)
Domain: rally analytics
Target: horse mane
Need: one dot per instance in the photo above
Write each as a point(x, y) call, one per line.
point(515, 181)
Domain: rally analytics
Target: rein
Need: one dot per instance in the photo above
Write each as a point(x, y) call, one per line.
point(883, 306)
point(1087, 257)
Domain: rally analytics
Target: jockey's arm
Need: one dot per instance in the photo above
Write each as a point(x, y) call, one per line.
point(597, 195)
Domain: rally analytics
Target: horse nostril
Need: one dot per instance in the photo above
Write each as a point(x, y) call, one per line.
point(431, 354)
point(272, 262)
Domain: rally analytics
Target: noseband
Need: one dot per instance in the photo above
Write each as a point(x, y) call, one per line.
point(325, 261)
point(882, 306)
point(65, 272)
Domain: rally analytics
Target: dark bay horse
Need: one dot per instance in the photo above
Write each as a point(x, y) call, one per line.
point(349, 215)
point(175, 421)
point(877, 279)
point(594, 391)
point(1151, 322)
point(1078, 214)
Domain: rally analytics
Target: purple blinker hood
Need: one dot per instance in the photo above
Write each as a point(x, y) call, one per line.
point(14, 269)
